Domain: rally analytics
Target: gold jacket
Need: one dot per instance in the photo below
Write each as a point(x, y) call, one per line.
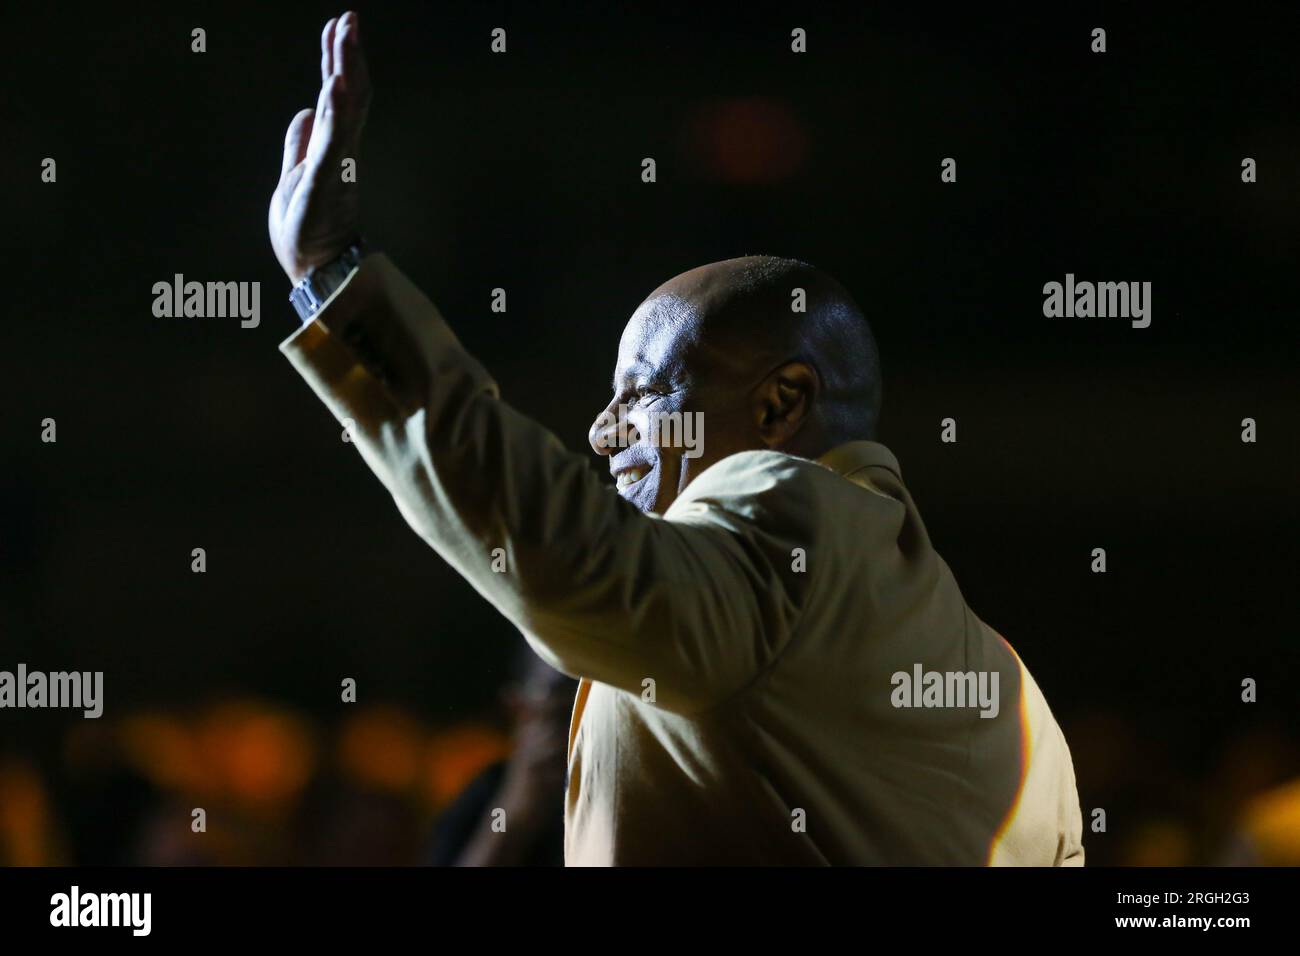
point(740, 656)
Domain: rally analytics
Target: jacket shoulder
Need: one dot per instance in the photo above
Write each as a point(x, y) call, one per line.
point(766, 487)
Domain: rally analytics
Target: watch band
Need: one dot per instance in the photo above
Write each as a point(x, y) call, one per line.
point(315, 288)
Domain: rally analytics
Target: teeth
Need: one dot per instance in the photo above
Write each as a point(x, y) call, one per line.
point(629, 477)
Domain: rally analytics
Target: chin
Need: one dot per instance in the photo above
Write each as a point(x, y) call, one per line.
point(645, 499)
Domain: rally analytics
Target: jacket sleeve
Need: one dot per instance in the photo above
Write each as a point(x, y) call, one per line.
point(699, 601)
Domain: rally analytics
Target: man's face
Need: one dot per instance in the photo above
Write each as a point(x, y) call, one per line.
point(678, 406)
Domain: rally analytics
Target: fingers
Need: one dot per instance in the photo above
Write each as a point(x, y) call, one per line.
point(345, 91)
point(344, 36)
point(324, 131)
point(327, 51)
point(355, 70)
point(349, 61)
point(296, 139)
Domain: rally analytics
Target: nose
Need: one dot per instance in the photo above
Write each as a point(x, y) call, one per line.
point(611, 431)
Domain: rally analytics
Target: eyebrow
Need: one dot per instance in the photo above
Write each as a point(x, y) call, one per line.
point(631, 373)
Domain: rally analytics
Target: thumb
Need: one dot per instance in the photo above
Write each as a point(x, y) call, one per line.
point(295, 140)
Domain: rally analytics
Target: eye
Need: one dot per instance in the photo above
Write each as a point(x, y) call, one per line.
point(646, 395)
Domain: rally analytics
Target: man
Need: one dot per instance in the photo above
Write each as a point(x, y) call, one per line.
point(775, 665)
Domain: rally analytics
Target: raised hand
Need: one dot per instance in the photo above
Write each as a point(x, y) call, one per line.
point(314, 213)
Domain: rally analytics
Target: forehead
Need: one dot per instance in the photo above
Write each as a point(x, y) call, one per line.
point(657, 338)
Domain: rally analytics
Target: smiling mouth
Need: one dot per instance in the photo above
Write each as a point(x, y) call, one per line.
point(630, 476)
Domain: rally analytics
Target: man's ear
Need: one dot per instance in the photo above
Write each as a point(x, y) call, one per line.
point(783, 401)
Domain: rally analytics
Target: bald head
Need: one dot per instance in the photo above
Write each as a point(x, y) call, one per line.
point(764, 309)
point(757, 352)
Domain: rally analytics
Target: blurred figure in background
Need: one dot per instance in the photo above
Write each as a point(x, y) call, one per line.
point(27, 825)
point(1268, 831)
point(527, 787)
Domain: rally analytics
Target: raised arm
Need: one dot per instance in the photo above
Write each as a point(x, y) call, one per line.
point(699, 601)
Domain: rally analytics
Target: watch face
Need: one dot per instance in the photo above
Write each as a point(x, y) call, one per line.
point(310, 294)
point(302, 300)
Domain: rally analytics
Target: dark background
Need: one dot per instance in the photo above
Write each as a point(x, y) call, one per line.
point(523, 171)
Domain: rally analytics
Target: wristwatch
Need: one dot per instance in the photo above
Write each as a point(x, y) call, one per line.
point(315, 288)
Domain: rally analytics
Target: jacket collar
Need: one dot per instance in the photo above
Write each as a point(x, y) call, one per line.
point(854, 456)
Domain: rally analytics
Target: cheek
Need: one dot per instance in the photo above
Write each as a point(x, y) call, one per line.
point(639, 421)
